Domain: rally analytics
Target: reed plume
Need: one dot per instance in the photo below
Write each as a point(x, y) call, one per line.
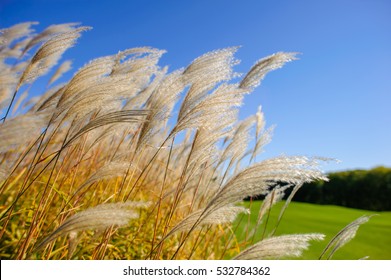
point(344, 236)
point(64, 67)
point(279, 247)
point(97, 218)
point(49, 54)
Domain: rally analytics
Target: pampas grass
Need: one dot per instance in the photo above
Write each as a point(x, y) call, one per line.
point(279, 247)
point(97, 218)
point(103, 154)
point(344, 236)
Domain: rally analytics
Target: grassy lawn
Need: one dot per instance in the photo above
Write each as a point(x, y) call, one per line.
point(373, 239)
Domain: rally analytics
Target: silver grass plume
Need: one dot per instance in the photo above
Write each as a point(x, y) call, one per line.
point(3, 173)
point(96, 218)
point(143, 59)
point(21, 130)
point(48, 33)
point(14, 50)
point(344, 236)
point(263, 66)
point(19, 67)
point(274, 196)
point(264, 139)
point(20, 100)
point(84, 78)
point(110, 133)
point(8, 82)
point(205, 145)
point(160, 105)
point(279, 247)
point(236, 148)
point(262, 136)
point(17, 31)
point(63, 68)
point(260, 122)
point(257, 179)
point(49, 54)
point(107, 171)
point(100, 96)
point(3, 41)
point(139, 67)
point(201, 217)
point(124, 116)
point(141, 97)
point(297, 186)
point(180, 151)
point(96, 81)
point(222, 103)
point(204, 73)
point(49, 99)
point(287, 202)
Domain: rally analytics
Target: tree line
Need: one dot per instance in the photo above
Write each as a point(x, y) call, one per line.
point(362, 189)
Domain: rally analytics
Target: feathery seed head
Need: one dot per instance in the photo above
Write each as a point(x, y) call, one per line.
point(257, 178)
point(97, 218)
point(49, 54)
point(279, 247)
point(17, 31)
point(263, 66)
point(344, 236)
point(202, 217)
point(64, 67)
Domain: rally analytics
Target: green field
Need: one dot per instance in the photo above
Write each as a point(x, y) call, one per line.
point(373, 238)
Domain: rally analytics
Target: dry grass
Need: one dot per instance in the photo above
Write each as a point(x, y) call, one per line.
point(96, 168)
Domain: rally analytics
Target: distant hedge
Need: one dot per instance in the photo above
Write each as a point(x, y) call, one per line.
point(363, 189)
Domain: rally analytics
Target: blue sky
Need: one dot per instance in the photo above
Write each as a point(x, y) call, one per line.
point(333, 102)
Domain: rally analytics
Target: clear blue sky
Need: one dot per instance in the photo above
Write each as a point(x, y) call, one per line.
point(334, 102)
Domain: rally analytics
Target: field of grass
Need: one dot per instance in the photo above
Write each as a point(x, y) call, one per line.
point(373, 239)
point(129, 161)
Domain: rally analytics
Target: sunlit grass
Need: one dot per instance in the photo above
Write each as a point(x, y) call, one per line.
point(373, 239)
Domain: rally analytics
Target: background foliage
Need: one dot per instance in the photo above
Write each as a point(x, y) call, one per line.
point(362, 189)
